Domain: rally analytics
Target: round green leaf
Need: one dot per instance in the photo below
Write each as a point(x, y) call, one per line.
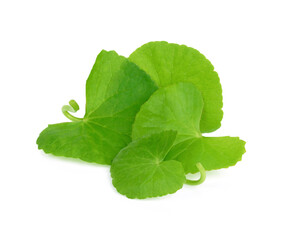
point(139, 171)
point(169, 63)
point(178, 107)
point(112, 101)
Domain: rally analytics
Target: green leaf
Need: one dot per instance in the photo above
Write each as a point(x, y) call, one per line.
point(138, 171)
point(115, 90)
point(169, 63)
point(178, 107)
point(212, 152)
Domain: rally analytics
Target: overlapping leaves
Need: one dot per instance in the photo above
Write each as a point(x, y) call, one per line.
point(139, 170)
point(151, 137)
point(179, 107)
point(112, 101)
point(169, 63)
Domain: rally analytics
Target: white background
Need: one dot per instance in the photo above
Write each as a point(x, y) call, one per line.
point(46, 53)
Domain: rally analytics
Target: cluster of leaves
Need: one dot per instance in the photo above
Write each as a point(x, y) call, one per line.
point(145, 116)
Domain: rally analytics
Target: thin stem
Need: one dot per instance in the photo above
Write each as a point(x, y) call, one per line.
point(72, 107)
point(202, 176)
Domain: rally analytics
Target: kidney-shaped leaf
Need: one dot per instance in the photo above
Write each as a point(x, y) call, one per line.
point(115, 90)
point(178, 107)
point(169, 63)
point(138, 171)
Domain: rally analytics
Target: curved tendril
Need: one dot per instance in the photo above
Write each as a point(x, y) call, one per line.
point(202, 176)
point(72, 107)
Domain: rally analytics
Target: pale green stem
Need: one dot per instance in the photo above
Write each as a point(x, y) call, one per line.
point(202, 176)
point(72, 107)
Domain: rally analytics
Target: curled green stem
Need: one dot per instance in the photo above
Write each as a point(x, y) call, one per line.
point(202, 176)
point(72, 107)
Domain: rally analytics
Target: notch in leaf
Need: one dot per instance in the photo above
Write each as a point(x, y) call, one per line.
point(179, 107)
point(139, 170)
point(115, 90)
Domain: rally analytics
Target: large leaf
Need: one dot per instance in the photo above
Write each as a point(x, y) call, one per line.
point(115, 90)
point(139, 171)
point(169, 63)
point(178, 107)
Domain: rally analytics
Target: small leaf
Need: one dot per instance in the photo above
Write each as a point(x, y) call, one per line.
point(169, 63)
point(139, 171)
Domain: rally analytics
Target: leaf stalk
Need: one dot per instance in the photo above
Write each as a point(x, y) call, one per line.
point(202, 176)
point(72, 107)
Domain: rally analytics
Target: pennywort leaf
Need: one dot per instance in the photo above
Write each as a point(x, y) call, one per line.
point(115, 90)
point(212, 152)
point(169, 63)
point(178, 107)
point(145, 117)
point(139, 170)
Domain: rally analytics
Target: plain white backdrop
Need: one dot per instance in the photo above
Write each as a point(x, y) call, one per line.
point(47, 49)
